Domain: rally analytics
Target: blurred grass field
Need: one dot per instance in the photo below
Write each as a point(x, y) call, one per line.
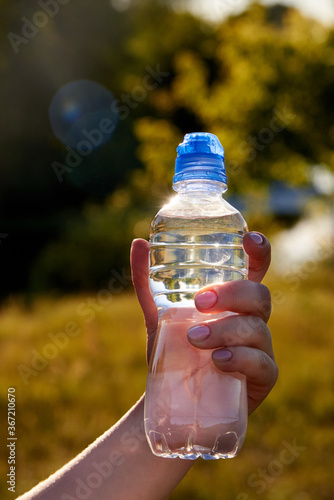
point(92, 380)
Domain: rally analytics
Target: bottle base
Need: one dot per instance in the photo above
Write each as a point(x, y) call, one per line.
point(225, 446)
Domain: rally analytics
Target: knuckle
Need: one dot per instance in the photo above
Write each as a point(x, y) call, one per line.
point(234, 291)
point(264, 329)
point(265, 292)
point(264, 301)
point(252, 327)
point(275, 373)
point(265, 362)
point(246, 326)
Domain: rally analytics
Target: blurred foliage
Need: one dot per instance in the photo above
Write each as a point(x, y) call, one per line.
point(90, 246)
point(262, 81)
point(256, 74)
point(101, 372)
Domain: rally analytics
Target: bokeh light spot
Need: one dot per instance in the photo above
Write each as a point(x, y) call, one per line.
point(83, 110)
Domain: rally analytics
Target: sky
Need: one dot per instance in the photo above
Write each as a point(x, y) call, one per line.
point(322, 10)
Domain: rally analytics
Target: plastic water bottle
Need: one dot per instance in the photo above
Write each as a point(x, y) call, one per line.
point(192, 409)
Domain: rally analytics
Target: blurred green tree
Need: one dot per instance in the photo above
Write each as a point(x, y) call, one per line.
point(262, 81)
point(264, 84)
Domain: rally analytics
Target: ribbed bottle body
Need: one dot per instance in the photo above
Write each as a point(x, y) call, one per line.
point(192, 409)
point(187, 254)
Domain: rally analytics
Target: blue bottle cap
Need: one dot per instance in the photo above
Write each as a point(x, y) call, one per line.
point(200, 156)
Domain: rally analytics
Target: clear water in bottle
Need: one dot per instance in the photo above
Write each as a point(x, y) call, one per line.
point(192, 409)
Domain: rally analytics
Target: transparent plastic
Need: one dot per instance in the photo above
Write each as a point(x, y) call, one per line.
point(192, 409)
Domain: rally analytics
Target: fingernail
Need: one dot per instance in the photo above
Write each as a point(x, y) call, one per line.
point(206, 300)
point(257, 238)
point(222, 355)
point(199, 332)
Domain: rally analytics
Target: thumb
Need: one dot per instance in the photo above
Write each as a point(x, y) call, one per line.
point(139, 269)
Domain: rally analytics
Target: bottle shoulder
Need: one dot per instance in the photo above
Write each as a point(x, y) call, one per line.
point(233, 223)
point(197, 206)
point(197, 217)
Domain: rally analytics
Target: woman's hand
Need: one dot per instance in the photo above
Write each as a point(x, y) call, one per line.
point(241, 342)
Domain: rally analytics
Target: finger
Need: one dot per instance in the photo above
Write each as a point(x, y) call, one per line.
point(139, 268)
point(259, 368)
point(246, 297)
point(258, 249)
point(236, 330)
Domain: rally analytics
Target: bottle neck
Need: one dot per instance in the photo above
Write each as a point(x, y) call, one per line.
point(200, 187)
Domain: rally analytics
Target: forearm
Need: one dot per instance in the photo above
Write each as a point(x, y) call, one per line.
point(119, 464)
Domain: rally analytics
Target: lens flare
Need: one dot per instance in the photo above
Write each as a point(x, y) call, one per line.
point(83, 115)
